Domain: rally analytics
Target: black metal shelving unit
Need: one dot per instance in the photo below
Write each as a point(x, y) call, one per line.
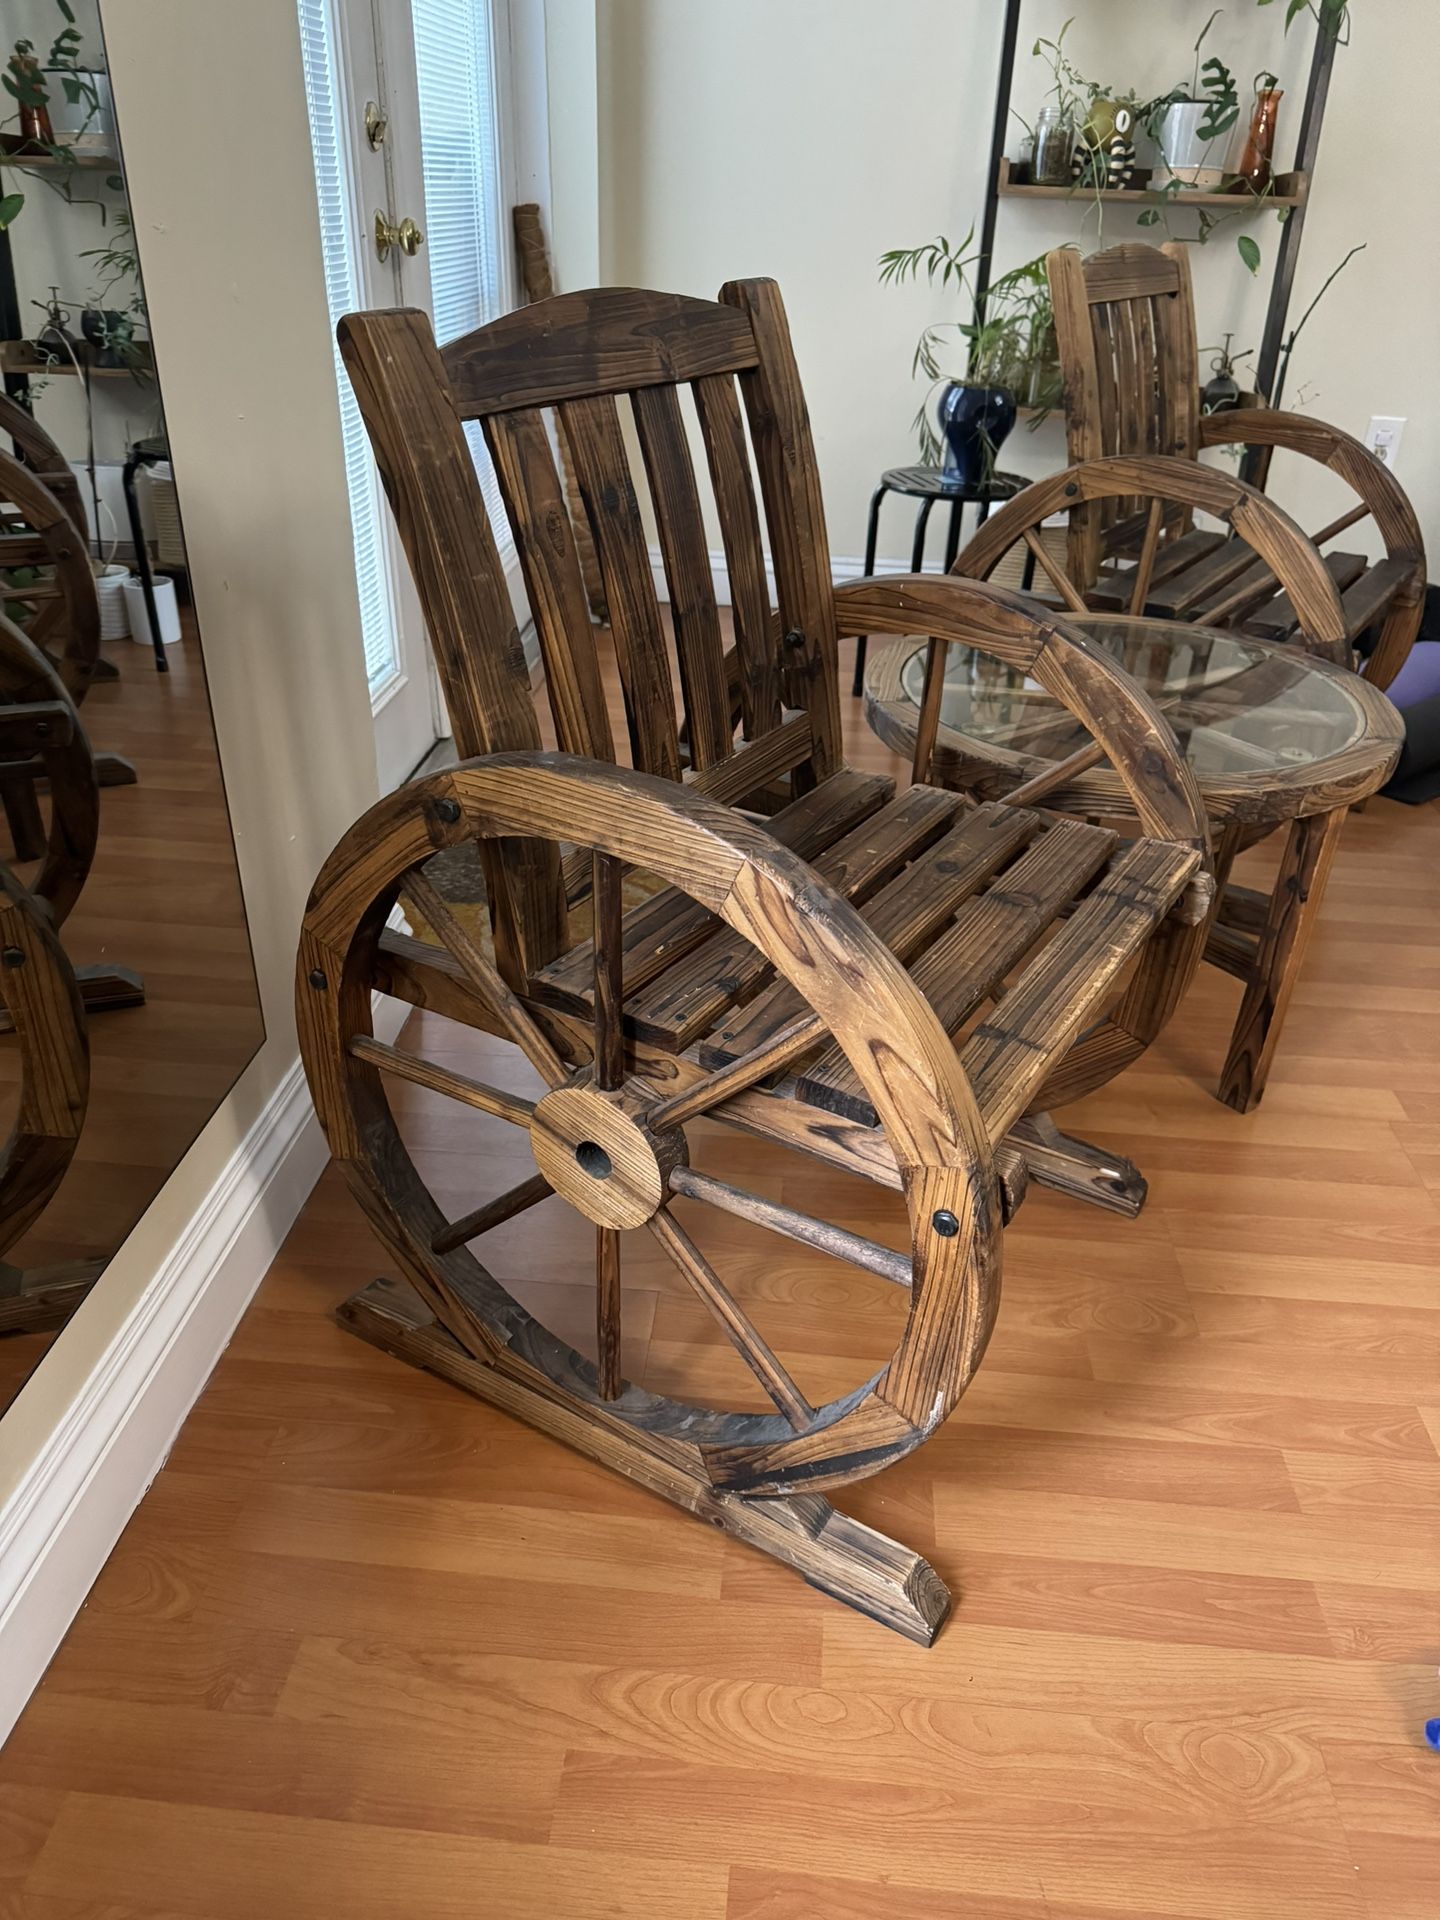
point(1282, 278)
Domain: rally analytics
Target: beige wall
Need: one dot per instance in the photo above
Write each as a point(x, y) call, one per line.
point(800, 139)
point(216, 146)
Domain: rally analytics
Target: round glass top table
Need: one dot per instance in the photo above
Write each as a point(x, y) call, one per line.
point(1272, 734)
point(1265, 728)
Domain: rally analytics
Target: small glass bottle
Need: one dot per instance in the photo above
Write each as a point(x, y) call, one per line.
point(1256, 167)
point(1054, 148)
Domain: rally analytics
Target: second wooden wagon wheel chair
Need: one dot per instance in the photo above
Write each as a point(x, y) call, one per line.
point(1278, 735)
point(885, 985)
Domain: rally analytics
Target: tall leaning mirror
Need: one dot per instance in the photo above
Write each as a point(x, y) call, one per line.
point(128, 1002)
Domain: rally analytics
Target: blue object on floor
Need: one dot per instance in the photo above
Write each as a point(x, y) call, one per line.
point(1432, 1733)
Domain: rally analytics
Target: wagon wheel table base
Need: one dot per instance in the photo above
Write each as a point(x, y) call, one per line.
point(1275, 737)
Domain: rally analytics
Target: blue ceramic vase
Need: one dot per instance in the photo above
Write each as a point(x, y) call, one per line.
point(974, 420)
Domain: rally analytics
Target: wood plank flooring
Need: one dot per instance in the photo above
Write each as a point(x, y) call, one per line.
point(370, 1649)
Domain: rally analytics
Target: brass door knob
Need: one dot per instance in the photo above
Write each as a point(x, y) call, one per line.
point(407, 236)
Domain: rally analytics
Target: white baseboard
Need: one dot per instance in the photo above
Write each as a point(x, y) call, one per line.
point(842, 567)
point(64, 1518)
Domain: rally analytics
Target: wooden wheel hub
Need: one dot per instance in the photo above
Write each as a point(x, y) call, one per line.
point(597, 1153)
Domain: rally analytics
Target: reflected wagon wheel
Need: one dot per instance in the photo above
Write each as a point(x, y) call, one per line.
point(64, 604)
point(31, 690)
point(613, 1147)
point(37, 987)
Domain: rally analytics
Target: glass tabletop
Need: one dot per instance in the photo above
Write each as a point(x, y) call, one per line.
point(1236, 705)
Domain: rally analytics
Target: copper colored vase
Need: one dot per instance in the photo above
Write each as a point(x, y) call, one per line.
point(1256, 162)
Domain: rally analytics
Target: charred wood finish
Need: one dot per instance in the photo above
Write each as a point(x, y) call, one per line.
point(1266, 562)
point(1125, 325)
point(42, 1005)
point(805, 945)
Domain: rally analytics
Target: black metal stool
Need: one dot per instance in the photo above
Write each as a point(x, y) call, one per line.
point(145, 453)
point(927, 485)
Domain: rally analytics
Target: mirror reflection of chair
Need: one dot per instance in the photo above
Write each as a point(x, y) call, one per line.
point(47, 1070)
point(889, 985)
point(50, 592)
point(61, 764)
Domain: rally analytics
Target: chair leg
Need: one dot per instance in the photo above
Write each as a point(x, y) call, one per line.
point(952, 538)
point(1072, 1166)
point(1289, 924)
point(872, 535)
point(23, 817)
point(917, 550)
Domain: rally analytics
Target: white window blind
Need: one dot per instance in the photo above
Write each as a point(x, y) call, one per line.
point(320, 48)
point(464, 204)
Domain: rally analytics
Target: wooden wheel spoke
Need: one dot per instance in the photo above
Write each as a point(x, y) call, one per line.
point(607, 907)
point(607, 1312)
point(860, 1252)
point(1145, 565)
point(1331, 531)
point(802, 1033)
point(455, 1086)
point(430, 904)
point(494, 1213)
point(741, 1331)
point(1060, 581)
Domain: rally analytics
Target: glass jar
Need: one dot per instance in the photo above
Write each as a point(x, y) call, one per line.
point(1054, 148)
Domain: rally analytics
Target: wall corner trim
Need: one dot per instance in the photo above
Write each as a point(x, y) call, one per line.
point(59, 1526)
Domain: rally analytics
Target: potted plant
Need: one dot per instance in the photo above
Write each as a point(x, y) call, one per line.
point(82, 112)
point(1010, 356)
point(1186, 122)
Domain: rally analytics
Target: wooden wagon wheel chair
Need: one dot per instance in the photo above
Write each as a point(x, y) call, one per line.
point(44, 744)
point(39, 452)
point(46, 1028)
point(58, 607)
point(1258, 937)
point(1125, 326)
point(886, 984)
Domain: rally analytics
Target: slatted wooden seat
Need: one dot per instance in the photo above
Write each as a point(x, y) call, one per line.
point(890, 983)
point(1125, 326)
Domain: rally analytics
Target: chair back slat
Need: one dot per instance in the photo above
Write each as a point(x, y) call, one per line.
point(609, 340)
point(602, 471)
point(429, 479)
point(555, 375)
point(694, 616)
point(549, 558)
point(1125, 326)
point(757, 654)
point(795, 517)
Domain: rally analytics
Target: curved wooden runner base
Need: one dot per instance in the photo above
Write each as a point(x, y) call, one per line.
point(1060, 1161)
point(851, 1562)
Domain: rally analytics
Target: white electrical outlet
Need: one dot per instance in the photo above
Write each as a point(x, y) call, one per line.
point(1382, 436)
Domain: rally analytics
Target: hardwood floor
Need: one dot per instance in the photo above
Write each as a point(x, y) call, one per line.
point(163, 897)
point(368, 1648)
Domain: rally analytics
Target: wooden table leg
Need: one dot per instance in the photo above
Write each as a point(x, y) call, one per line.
point(1289, 923)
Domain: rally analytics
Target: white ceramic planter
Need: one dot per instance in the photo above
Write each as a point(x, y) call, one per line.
point(91, 118)
point(166, 607)
point(1184, 155)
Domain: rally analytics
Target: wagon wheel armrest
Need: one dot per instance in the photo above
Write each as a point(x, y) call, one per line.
point(1346, 456)
point(1123, 721)
point(1381, 498)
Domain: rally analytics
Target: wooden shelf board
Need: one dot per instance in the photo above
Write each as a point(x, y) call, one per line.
point(47, 163)
point(1290, 192)
point(14, 360)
